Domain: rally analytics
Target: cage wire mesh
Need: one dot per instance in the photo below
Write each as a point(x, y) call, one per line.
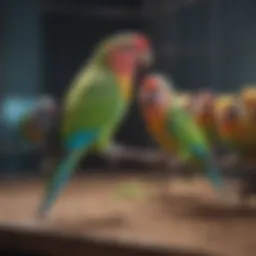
point(199, 43)
point(204, 43)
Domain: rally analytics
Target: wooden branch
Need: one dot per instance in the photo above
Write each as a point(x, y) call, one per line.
point(156, 158)
point(121, 153)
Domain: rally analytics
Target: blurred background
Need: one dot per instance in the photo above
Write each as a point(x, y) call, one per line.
point(201, 43)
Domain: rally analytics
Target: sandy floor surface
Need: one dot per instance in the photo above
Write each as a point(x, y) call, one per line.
point(181, 213)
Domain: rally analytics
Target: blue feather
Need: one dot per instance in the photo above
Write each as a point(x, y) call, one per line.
point(76, 148)
point(211, 170)
point(214, 175)
point(80, 140)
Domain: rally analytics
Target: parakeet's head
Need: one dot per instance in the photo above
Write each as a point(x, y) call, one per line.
point(185, 100)
point(155, 91)
point(227, 109)
point(204, 102)
point(248, 98)
point(123, 50)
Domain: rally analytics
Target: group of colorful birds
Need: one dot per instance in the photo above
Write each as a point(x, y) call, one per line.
point(183, 124)
point(227, 120)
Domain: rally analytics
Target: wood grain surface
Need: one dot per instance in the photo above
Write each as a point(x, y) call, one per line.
point(162, 214)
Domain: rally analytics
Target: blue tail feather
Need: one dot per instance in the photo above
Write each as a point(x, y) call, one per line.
point(214, 175)
point(77, 145)
point(59, 181)
point(212, 171)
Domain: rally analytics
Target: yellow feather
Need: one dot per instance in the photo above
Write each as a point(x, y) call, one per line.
point(126, 85)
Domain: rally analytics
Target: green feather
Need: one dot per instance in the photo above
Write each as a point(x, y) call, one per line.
point(129, 191)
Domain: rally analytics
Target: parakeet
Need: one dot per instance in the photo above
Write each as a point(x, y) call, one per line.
point(36, 123)
point(248, 101)
point(96, 102)
point(203, 113)
point(231, 124)
point(185, 100)
point(172, 127)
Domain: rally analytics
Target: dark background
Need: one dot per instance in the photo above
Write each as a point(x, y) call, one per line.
point(201, 43)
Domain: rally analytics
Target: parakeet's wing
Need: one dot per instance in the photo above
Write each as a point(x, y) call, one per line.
point(191, 138)
point(182, 125)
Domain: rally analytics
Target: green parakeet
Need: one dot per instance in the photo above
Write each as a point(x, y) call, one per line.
point(172, 127)
point(96, 102)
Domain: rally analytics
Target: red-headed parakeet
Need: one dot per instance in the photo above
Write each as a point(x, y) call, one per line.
point(172, 127)
point(96, 103)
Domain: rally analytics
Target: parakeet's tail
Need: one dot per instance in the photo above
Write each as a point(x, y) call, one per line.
point(214, 174)
point(210, 167)
point(58, 181)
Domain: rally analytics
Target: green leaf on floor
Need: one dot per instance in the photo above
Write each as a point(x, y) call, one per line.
point(129, 191)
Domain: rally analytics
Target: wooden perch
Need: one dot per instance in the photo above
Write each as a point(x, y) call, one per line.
point(120, 153)
point(154, 157)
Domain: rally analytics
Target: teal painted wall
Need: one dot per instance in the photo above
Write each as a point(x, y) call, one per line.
point(22, 78)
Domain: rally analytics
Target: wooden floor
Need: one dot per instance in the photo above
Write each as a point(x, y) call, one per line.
point(190, 216)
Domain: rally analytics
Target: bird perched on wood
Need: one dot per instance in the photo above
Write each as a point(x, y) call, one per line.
point(247, 97)
point(173, 128)
point(203, 112)
point(233, 122)
point(231, 125)
point(185, 100)
point(96, 103)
